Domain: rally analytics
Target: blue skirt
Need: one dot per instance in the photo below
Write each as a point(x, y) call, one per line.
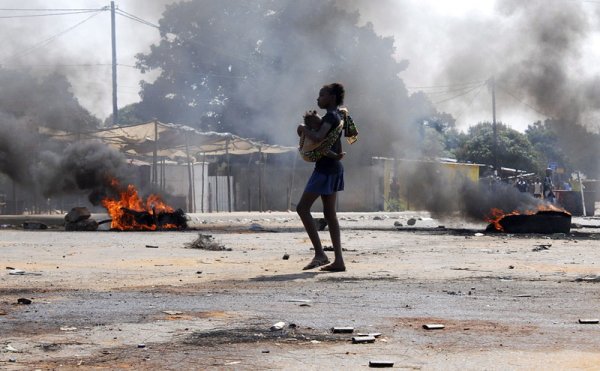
point(325, 184)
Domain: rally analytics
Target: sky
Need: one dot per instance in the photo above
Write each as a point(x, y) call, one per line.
point(449, 46)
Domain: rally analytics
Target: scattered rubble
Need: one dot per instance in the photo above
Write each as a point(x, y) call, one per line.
point(589, 321)
point(206, 242)
point(33, 225)
point(381, 364)
point(541, 247)
point(433, 326)
point(278, 326)
point(342, 330)
point(363, 339)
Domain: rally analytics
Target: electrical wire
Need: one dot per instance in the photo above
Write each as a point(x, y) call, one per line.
point(449, 91)
point(50, 9)
point(470, 102)
point(48, 15)
point(521, 101)
point(459, 95)
point(135, 18)
point(50, 39)
point(446, 86)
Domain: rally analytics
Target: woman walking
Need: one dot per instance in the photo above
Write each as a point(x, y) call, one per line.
point(326, 180)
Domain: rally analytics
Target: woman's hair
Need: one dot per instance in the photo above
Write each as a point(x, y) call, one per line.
point(338, 90)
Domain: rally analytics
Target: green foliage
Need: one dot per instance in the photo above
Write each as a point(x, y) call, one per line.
point(513, 148)
point(128, 115)
point(545, 141)
point(577, 145)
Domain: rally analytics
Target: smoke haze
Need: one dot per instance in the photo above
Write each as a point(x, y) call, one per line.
point(538, 52)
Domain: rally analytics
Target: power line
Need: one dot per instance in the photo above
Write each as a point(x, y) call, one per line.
point(49, 9)
point(445, 86)
point(58, 65)
point(459, 95)
point(135, 18)
point(448, 91)
point(522, 102)
point(49, 15)
point(51, 38)
point(471, 102)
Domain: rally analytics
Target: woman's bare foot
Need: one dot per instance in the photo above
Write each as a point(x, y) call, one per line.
point(334, 267)
point(317, 262)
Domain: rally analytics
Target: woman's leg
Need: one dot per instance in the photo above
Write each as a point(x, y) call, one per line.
point(334, 231)
point(303, 210)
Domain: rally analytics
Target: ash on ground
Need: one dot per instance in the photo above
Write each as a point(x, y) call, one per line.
point(206, 242)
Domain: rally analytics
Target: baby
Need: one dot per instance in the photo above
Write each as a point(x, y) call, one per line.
point(311, 150)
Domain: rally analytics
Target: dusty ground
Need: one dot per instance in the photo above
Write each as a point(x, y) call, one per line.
point(104, 300)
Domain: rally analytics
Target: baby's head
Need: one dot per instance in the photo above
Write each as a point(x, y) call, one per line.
point(312, 120)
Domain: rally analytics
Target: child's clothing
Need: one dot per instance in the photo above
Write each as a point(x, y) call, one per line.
point(312, 151)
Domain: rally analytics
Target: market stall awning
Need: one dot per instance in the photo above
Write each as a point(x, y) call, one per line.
point(169, 140)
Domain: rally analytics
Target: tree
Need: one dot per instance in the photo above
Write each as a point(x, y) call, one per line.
point(513, 148)
point(579, 145)
point(128, 115)
point(253, 68)
point(545, 142)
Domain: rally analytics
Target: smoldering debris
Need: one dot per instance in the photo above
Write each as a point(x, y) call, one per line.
point(437, 189)
point(206, 242)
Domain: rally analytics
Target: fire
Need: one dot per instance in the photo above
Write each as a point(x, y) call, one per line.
point(496, 215)
point(124, 210)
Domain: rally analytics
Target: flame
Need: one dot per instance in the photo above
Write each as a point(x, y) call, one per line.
point(129, 199)
point(496, 215)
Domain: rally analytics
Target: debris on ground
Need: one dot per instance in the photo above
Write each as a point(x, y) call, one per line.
point(15, 271)
point(411, 221)
point(278, 326)
point(206, 242)
point(330, 248)
point(33, 225)
point(256, 227)
point(78, 219)
point(541, 247)
point(20, 272)
point(321, 223)
point(24, 301)
point(10, 348)
point(398, 224)
point(151, 247)
point(363, 339)
point(286, 256)
point(381, 364)
point(591, 321)
point(590, 278)
point(433, 326)
point(68, 328)
point(172, 312)
point(342, 330)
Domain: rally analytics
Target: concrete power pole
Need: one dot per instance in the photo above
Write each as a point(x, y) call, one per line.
point(494, 126)
point(115, 118)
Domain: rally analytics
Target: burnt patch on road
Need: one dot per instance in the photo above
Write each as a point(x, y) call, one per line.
point(260, 334)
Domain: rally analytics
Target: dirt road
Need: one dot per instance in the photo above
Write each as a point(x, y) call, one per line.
point(141, 300)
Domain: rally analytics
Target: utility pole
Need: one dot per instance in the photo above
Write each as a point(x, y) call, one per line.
point(115, 118)
point(494, 127)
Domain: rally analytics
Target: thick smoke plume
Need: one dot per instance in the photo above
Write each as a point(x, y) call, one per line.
point(443, 192)
point(48, 167)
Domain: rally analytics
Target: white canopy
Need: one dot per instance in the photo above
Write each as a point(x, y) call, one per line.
point(170, 140)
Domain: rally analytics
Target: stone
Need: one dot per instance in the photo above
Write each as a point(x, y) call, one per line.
point(77, 214)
